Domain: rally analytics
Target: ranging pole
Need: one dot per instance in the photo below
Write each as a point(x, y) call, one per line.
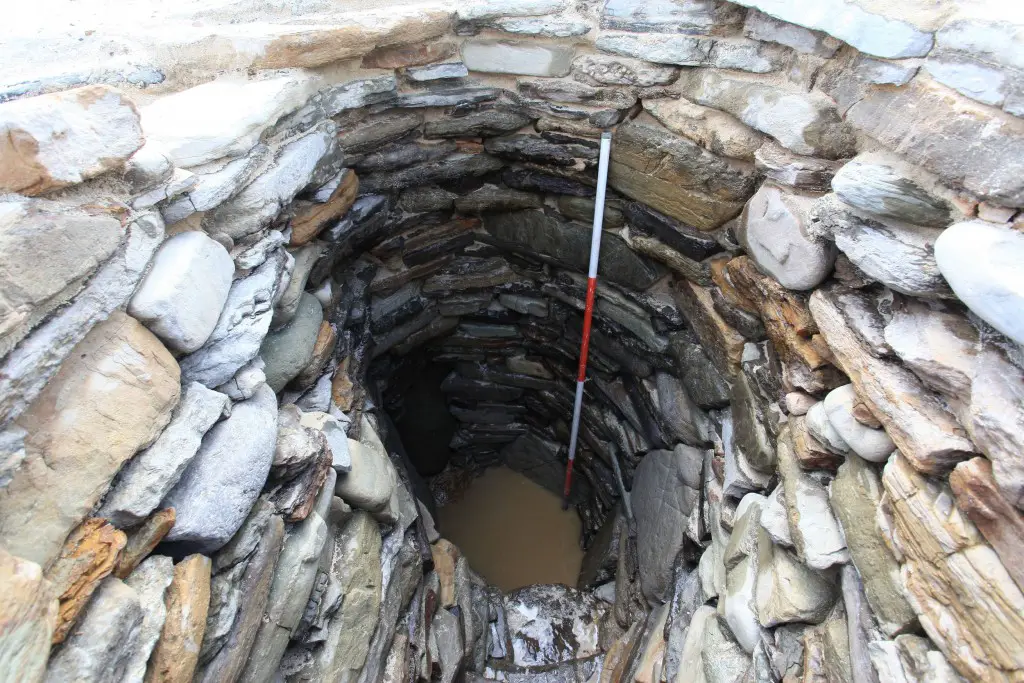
point(588, 313)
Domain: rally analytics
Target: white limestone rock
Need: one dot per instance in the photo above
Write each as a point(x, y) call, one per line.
point(293, 167)
point(740, 477)
point(223, 118)
point(150, 581)
point(243, 324)
point(335, 431)
point(246, 381)
point(822, 430)
point(476, 10)
point(149, 476)
point(775, 520)
point(899, 255)
point(761, 26)
point(741, 566)
point(216, 182)
point(885, 72)
point(937, 344)
point(549, 27)
point(806, 123)
point(182, 296)
point(147, 168)
point(996, 419)
point(876, 34)
point(773, 228)
point(871, 444)
point(522, 58)
point(910, 659)
point(981, 262)
point(52, 141)
point(666, 16)
point(217, 491)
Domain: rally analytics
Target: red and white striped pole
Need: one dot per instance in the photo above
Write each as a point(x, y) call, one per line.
point(588, 313)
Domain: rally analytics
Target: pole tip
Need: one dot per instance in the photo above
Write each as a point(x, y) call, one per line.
point(606, 135)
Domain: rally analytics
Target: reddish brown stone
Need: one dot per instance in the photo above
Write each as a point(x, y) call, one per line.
point(88, 556)
point(863, 414)
point(322, 350)
point(142, 541)
point(1000, 523)
point(397, 56)
point(789, 325)
point(809, 452)
point(176, 654)
point(312, 218)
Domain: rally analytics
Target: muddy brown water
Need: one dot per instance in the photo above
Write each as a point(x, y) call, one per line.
point(513, 532)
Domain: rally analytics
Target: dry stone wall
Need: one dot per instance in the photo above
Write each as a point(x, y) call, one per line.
point(232, 234)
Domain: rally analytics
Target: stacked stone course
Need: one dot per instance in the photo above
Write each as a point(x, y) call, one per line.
point(225, 254)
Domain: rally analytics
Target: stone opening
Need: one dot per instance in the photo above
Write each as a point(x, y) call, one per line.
point(313, 272)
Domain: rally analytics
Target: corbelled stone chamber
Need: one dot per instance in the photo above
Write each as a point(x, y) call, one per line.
point(242, 241)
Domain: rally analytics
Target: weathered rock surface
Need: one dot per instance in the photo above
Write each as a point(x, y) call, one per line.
point(224, 118)
point(150, 475)
point(598, 69)
point(676, 177)
point(513, 57)
point(806, 123)
point(88, 556)
point(551, 624)
point(940, 131)
point(996, 417)
point(287, 351)
point(900, 256)
point(713, 130)
point(977, 259)
point(76, 242)
point(856, 493)
point(870, 444)
point(880, 190)
point(181, 297)
point(246, 597)
point(150, 581)
point(356, 567)
point(294, 166)
point(914, 419)
point(111, 398)
point(101, 647)
point(817, 536)
point(869, 31)
point(372, 479)
point(966, 600)
point(220, 485)
point(787, 590)
point(28, 612)
point(243, 324)
point(142, 540)
point(773, 228)
point(665, 490)
point(293, 581)
point(937, 344)
point(52, 141)
point(187, 600)
point(568, 243)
